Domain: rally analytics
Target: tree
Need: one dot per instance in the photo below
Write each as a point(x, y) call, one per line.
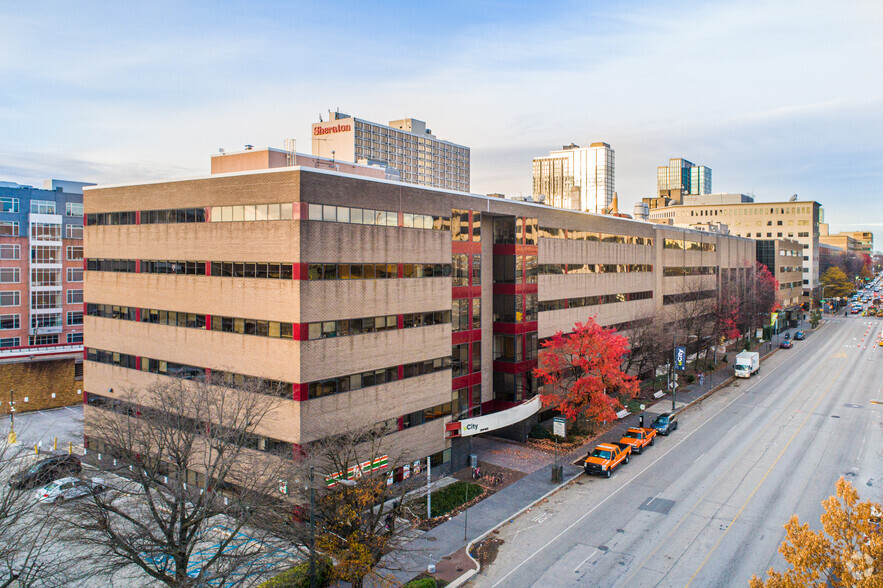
point(197, 486)
point(649, 346)
point(357, 507)
point(835, 283)
point(847, 552)
point(582, 372)
point(28, 531)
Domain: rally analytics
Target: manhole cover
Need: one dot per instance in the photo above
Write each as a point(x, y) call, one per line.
point(659, 505)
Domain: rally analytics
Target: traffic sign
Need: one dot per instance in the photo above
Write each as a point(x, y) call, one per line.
point(559, 426)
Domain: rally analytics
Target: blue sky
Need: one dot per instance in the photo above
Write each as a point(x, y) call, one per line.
point(776, 97)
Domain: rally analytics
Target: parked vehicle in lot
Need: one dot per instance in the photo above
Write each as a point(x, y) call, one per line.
point(604, 458)
point(665, 423)
point(46, 470)
point(638, 438)
point(747, 363)
point(59, 491)
point(799, 336)
point(786, 344)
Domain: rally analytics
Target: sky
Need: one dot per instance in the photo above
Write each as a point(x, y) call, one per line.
point(777, 97)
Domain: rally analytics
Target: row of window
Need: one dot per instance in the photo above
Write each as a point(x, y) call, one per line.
point(594, 268)
point(283, 271)
point(111, 218)
point(689, 245)
point(460, 364)
point(249, 440)
point(261, 328)
point(688, 297)
point(358, 326)
point(370, 271)
point(705, 270)
point(556, 233)
point(388, 218)
point(563, 303)
point(250, 212)
point(172, 215)
point(460, 314)
point(236, 269)
point(460, 269)
point(9, 204)
point(189, 372)
point(376, 377)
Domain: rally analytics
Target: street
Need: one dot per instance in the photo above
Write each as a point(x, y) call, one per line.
point(706, 506)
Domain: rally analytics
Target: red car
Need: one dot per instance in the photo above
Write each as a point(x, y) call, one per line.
point(786, 344)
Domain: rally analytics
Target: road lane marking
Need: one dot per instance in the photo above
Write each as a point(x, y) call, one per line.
point(763, 479)
point(760, 380)
point(585, 560)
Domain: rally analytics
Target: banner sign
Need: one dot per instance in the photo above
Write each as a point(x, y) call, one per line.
point(355, 472)
point(680, 358)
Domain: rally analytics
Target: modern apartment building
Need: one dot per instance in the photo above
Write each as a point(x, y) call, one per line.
point(41, 266)
point(576, 178)
point(681, 177)
point(406, 145)
point(797, 220)
point(784, 259)
point(368, 301)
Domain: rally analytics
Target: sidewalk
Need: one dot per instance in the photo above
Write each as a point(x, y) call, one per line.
point(450, 538)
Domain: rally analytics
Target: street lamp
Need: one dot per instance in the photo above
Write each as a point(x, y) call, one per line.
point(345, 482)
point(12, 437)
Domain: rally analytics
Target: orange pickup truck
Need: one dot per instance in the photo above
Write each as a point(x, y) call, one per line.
point(605, 457)
point(639, 438)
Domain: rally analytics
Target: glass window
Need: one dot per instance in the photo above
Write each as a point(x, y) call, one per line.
point(8, 229)
point(74, 209)
point(274, 212)
point(8, 204)
point(10, 251)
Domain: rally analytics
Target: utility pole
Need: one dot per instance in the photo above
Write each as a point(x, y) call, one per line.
point(672, 374)
point(12, 437)
point(312, 533)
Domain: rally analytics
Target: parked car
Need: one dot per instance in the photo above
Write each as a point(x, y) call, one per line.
point(59, 491)
point(786, 344)
point(46, 470)
point(638, 438)
point(665, 423)
point(799, 336)
point(605, 457)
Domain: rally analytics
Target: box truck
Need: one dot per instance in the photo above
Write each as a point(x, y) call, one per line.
point(747, 363)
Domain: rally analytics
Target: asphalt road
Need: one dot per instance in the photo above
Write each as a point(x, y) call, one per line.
point(706, 506)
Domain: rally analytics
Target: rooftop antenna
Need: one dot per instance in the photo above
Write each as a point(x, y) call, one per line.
point(291, 148)
point(221, 150)
point(320, 117)
point(793, 198)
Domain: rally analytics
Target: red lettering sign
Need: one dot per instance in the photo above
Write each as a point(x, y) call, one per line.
point(328, 130)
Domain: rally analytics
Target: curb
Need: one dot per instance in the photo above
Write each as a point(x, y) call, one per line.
point(471, 573)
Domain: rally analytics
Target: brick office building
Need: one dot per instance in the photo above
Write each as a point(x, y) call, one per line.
point(373, 301)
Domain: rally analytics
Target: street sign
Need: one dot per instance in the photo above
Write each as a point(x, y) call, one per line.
point(559, 426)
point(680, 358)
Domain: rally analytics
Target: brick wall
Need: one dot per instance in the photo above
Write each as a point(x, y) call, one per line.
point(37, 381)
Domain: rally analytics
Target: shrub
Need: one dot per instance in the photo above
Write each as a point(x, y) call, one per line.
point(690, 378)
point(299, 575)
point(422, 583)
point(448, 498)
point(539, 432)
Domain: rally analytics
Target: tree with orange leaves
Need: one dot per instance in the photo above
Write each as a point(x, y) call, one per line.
point(849, 552)
point(582, 372)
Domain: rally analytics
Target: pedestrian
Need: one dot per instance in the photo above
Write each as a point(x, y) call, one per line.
point(701, 380)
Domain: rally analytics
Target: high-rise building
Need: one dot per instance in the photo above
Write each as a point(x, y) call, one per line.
point(41, 266)
point(368, 301)
point(682, 177)
point(406, 145)
point(576, 178)
point(784, 259)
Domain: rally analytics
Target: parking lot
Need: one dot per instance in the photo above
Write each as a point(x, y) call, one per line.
point(42, 427)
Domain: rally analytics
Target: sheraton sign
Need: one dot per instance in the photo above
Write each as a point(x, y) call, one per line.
point(328, 130)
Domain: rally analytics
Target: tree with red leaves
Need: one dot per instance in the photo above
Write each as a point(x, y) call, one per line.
point(582, 372)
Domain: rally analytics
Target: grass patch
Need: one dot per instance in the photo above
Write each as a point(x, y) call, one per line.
point(448, 498)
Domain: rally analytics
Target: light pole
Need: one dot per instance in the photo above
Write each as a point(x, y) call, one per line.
point(12, 437)
point(345, 482)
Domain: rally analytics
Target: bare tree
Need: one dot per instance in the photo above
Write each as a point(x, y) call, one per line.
point(650, 343)
point(201, 479)
point(28, 546)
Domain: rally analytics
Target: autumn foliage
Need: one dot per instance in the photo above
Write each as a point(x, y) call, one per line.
point(582, 372)
point(848, 552)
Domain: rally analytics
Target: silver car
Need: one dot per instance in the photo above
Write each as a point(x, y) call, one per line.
point(67, 489)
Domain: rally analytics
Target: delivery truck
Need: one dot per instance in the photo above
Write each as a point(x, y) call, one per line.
point(747, 363)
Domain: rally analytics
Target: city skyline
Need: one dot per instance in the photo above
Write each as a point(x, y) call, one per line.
point(776, 99)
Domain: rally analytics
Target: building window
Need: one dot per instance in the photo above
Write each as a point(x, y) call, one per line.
point(174, 215)
point(10, 252)
point(252, 212)
point(74, 296)
point(111, 218)
point(8, 229)
point(10, 298)
point(75, 253)
point(9, 275)
point(39, 321)
point(75, 317)
point(8, 204)
point(43, 340)
point(73, 209)
point(73, 231)
point(10, 321)
point(42, 207)
point(45, 300)
point(75, 338)
point(74, 274)
point(10, 342)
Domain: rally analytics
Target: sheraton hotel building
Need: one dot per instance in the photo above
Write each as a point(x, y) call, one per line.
point(365, 300)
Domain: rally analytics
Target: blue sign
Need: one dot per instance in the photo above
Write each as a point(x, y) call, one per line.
point(680, 358)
